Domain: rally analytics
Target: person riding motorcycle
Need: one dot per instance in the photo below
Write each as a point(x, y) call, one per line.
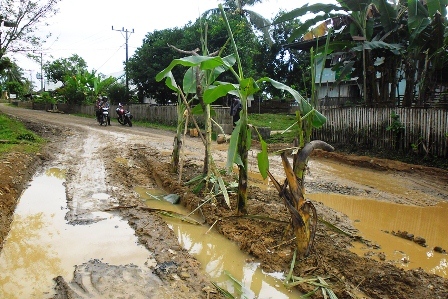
point(98, 111)
point(105, 104)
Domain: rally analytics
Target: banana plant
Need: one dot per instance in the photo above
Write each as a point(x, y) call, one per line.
point(303, 213)
point(244, 88)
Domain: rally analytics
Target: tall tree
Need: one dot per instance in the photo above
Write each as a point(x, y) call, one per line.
point(22, 21)
point(12, 78)
point(288, 66)
point(154, 53)
point(58, 69)
point(256, 22)
point(152, 56)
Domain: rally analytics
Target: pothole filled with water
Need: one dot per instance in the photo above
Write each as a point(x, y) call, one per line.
point(386, 224)
point(220, 258)
point(42, 245)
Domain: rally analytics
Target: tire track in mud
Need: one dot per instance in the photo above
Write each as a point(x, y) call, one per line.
point(87, 188)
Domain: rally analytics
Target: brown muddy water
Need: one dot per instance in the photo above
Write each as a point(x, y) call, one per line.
point(220, 258)
point(376, 221)
point(41, 245)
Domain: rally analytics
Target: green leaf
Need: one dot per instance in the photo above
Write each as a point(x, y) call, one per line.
point(223, 188)
point(304, 106)
point(215, 92)
point(171, 82)
point(205, 63)
point(229, 61)
point(394, 48)
point(355, 5)
point(435, 6)
point(307, 9)
point(197, 110)
point(189, 82)
point(223, 291)
point(388, 14)
point(263, 161)
point(417, 13)
point(248, 87)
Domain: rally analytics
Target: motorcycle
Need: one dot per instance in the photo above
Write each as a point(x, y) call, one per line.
point(124, 116)
point(104, 118)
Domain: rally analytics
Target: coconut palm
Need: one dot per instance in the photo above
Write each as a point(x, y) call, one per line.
point(256, 21)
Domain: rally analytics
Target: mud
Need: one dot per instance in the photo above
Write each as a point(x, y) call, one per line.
point(179, 275)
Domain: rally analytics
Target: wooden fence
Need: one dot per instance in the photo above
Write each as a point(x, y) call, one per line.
point(166, 115)
point(425, 131)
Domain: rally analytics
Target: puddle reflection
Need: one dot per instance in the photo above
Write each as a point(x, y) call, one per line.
point(375, 218)
point(217, 255)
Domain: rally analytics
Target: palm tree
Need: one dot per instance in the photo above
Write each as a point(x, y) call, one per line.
point(256, 21)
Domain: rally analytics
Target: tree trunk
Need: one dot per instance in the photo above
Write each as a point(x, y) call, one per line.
point(409, 73)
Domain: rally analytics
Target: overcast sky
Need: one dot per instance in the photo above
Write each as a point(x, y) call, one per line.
point(84, 27)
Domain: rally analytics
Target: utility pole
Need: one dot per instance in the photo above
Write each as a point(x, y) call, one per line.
point(126, 65)
point(41, 75)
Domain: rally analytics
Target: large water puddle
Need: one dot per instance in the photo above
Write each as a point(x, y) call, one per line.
point(376, 220)
point(219, 257)
point(41, 245)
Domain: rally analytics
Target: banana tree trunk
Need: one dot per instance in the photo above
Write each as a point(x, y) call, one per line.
point(243, 147)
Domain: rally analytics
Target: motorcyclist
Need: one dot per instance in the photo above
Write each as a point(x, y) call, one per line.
point(98, 103)
point(105, 104)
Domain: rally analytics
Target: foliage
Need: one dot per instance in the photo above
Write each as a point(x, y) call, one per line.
point(244, 88)
point(117, 92)
point(59, 69)
point(44, 97)
point(286, 65)
point(154, 54)
point(12, 78)
point(379, 36)
point(84, 87)
point(15, 87)
point(25, 17)
point(251, 20)
point(16, 137)
point(317, 282)
point(396, 125)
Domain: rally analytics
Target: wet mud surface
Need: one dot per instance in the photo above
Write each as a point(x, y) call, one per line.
point(133, 157)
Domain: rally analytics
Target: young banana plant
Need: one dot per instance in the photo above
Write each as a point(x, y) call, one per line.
point(303, 212)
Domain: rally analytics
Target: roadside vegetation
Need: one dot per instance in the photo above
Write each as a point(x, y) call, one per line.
point(14, 137)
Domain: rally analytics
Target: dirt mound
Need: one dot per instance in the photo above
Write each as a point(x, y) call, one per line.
point(266, 240)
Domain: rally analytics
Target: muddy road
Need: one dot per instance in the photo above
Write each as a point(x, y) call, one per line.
point(103, 166)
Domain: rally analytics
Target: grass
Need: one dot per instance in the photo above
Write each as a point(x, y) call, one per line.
point(278, 123)
point(15, 137)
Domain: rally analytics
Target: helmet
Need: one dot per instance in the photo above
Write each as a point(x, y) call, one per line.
point(120, 105)
point(105, 98)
